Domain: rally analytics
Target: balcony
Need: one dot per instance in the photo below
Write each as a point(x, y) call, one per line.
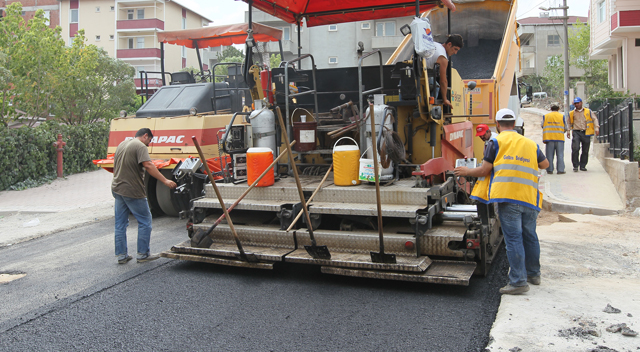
point(386, 42)
point(527, 71)
point(145, 24)
point(625, 22)
point(287, 47)
point(528, 49)
point(138, 53)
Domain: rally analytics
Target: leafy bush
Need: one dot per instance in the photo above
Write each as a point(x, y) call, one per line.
point(28, 156)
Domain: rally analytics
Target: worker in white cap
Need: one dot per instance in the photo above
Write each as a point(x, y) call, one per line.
point(513, 161)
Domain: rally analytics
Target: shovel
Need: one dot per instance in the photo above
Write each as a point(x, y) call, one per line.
point(215, 224)
point(379, 257)
point(249, 257)
point(315, 251)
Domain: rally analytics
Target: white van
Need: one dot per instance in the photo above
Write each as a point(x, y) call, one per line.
point(539, 95)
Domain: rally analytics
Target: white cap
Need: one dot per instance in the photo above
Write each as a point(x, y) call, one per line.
point(505, 115)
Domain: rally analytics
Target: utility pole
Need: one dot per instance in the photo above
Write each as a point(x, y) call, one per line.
point(565, 23)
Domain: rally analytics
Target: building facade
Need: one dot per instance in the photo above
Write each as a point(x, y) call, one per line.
point(540, 39)
point(51, 9)
point(127, 30)
point(615, 37)
point(332, 46)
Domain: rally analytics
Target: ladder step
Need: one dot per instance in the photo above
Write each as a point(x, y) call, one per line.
point(439, 272)
point(359, 261)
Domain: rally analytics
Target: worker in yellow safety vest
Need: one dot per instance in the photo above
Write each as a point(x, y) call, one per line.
point(553, 129)
point(583, 125)
point(512, 163)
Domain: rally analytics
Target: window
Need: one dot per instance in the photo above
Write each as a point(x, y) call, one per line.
point(129, 14)
point(97, 8)
point(140, 14)
point(286, 33)
point(333, 60)
point(71, 40)
point(365, 25)
point(97, 38)
point(47, 15)
point(602, 11)
point(73, 16)
point(184, 52)
point(553, 40)
point(184, 23)
point(130, 46)
point(24, 13)
point(112, 8)
point(110, 36)
point(637, 41)
point(295, 29)
point(385, 29)
point(139, 43)
point(333, 28)
point(138, 70)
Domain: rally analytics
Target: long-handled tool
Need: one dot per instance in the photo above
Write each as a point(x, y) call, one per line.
point(311, 198)
point(244, 194)
point(379, 257)
point(315, 251)
point(249, 257)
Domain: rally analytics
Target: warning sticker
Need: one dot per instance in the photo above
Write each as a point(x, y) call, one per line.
point(307, 136)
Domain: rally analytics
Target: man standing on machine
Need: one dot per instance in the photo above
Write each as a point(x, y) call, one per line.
point(441, 57)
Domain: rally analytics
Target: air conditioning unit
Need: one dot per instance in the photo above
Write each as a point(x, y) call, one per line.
point(544, 14)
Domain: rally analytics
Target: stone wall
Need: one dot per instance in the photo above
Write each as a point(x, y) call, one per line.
point(623, 174)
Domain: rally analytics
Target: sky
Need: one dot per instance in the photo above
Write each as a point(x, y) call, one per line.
point(232, 11)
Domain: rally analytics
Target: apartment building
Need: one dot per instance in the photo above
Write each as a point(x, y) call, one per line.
point(541, 38)
point(51, 9)
point(127, 30)
point(336, 45)
point(615, 36)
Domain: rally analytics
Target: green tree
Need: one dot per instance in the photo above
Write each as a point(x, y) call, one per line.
point(595, 71)
point(7, 112)
point(230, 54)
point(554, 74)
point(32, 49)
point(274, 60)
point(93, 86)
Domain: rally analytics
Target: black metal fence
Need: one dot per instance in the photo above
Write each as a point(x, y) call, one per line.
point(616, 128)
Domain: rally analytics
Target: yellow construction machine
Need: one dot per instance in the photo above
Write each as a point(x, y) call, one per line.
point(403, 215)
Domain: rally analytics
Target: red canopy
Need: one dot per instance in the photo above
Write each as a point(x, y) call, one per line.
point(216, 36)
point(323, 12)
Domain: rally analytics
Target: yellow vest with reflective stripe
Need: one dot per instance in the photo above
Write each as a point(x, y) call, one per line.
point(553, 127)
point(481, 189)
point(587, 115)
point(514, 177)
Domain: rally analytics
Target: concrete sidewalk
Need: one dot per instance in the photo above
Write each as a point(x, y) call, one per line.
point(590, 192)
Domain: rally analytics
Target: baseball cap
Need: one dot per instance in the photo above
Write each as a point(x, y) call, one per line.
point(481, 129)
point(577, 100)
point(505, 115)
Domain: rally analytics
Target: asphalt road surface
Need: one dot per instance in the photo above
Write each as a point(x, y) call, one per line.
point(75, 297)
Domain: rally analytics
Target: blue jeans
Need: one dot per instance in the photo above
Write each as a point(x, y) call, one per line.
point(518, 224)
point(140, 209)
point(556, 148)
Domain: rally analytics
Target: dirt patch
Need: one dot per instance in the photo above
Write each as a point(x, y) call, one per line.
point(546, 218)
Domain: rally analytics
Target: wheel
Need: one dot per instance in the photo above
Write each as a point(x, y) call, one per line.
point(163, 196)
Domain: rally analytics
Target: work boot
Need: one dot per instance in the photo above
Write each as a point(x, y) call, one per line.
point(514, 290)
point(561, 172)
point(534, 280)
point(575, 169)
point(583, 169)
point(125, 260)
point(148, 258)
